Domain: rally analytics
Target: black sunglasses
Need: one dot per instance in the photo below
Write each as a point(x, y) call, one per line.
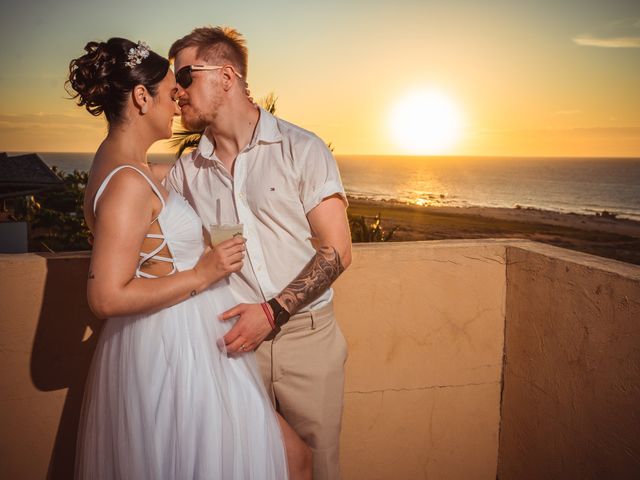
point(184, 78)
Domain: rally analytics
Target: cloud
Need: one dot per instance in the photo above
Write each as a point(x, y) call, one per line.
point(50, 132)
point(49, 119)
point(597, 141)
point(567, 112)
point(593, 132)
point(615, 42)
point(626, 132)
point(621, 33)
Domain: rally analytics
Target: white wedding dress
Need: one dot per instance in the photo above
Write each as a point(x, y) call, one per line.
point(162, 400)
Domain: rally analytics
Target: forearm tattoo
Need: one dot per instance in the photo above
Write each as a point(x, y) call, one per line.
point(314, 279)
point(91, 276)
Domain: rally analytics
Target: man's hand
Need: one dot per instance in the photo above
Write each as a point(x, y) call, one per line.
point(250, 330)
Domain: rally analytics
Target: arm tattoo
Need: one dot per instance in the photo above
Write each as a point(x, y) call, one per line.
point(313, 280)
point(91, 275)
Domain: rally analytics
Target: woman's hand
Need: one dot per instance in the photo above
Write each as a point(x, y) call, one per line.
point(113, 288)
point(220, 261)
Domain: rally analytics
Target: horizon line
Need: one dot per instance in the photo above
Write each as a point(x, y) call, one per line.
point(636, 156)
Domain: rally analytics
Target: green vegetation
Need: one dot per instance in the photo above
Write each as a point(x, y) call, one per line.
point(56, 217)
point(361, 231)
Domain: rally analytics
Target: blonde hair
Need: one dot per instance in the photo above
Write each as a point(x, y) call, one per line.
point(219, 44)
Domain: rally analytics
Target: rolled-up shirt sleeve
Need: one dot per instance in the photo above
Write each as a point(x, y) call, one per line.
point(319, 175)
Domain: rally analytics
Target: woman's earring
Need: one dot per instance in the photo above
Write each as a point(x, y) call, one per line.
point(143, 109)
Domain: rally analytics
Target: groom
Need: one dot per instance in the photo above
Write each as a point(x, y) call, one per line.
point(282, 183)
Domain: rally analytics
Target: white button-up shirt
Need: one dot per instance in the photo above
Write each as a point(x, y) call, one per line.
point(278, 178)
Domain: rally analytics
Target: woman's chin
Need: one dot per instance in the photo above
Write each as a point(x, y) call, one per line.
point(164, 135)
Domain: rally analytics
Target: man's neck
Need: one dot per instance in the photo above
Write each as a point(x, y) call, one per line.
point(232, 131)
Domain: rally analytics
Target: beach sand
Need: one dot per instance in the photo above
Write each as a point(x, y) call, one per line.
point(607, 237)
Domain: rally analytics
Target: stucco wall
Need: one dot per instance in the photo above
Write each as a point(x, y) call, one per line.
point(45, 347)
point(571, 401)
point(424, 323)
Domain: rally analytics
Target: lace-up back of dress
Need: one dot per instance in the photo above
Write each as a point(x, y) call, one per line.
point(175, 235)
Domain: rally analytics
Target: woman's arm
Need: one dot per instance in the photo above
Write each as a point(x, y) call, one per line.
point(124, 213)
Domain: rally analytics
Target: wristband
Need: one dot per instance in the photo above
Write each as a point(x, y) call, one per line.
point(267, 312)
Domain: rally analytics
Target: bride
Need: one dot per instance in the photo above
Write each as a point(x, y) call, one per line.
point(163, 399)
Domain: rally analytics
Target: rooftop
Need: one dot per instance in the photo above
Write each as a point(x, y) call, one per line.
point(25, 175)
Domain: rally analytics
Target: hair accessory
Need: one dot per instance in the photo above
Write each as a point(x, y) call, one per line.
point(137, 54)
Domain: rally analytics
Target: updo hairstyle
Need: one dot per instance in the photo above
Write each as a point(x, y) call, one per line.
point(101, 80)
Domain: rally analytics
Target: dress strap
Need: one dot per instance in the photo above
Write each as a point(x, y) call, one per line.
point(154, 254)
point(158, 257)
point(144, 255)
point(105, 182)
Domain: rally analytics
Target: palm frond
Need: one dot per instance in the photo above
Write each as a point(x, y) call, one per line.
point(269, 103)
point(183, 140)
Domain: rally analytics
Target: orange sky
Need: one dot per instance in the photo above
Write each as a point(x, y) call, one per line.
point(528, 78)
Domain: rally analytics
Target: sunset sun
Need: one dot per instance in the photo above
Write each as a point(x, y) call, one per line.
point(426, 122)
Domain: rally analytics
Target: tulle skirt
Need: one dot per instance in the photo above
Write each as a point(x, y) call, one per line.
point(163, 401)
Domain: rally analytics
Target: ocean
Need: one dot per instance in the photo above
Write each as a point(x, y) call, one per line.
point(579, 185)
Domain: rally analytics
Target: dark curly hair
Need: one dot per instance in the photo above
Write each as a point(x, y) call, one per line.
point(101, 81)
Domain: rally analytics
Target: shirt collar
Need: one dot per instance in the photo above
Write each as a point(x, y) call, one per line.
point(205, 146)
point(267, 131)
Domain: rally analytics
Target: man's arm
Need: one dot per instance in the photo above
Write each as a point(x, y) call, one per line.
point(328, 221)
point(331, 229)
